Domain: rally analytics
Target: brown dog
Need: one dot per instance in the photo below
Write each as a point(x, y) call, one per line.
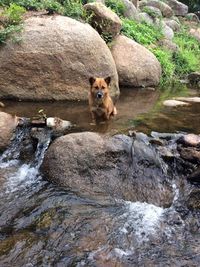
point(100, 102)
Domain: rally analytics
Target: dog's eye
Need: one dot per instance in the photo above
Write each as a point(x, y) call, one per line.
point(96, 87)
point(103, 87)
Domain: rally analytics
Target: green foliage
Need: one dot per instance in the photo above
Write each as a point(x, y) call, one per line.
point(165, 58)
point(14, 14)
point(188, 56)
point(52, 6)
point(74, 9)
point(8, 32)
point(28, 4)
point(116, 5)
point(141, 32)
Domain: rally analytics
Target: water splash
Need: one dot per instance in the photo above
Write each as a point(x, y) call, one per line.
point(28, 174)
point(142, 218)
point(11, 154)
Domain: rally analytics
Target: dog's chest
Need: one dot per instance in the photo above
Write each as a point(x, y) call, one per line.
point(99, 111)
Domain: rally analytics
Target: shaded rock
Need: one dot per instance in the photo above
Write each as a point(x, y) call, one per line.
point(195, 33)
point(8, 124)
point(168, 44)
point(144, 17)
point(174, 103)
point(92, 164)
point(164, 8)
point(193, 17)
point(104, 20)
point(193, 200)
point(179, 8)
point(130, 10)
point(174, 25)
point(190, 154)
point(135, 2)
point(54, 61)
point(194, 177)
point(194, 77)
point(136, 65)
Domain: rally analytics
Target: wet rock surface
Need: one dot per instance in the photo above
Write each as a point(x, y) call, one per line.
point(91, 164)
point(46, 224)
point(8, 124)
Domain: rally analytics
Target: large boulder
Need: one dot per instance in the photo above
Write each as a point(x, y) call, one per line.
point(94, 165)
point(164, 8)
point(54, 60)
point(8, 124)
point(179, 8)
point(136, 65)
point(103, 19)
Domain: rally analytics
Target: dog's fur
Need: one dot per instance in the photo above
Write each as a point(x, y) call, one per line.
point(100, 103)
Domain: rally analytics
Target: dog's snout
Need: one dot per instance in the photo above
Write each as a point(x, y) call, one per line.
point(99, 94)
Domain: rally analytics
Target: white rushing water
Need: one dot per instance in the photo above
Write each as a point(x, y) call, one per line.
point(143, 218)
point(23, 175)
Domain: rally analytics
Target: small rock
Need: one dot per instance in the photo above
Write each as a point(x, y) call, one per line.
point(195, 33)
point(168, 44)
point(174, 103)
point(154, 12)
point(195, 176)
point(189, 99)
point(144, 17)
point(167, 31)
point(8, 124)
point(191, 140)
point(193, 17)
point(2, 105)
point(58, 124)
point(130, 10)
point(174, 25)
point(193, 200)
point(164, 8)
point(194, 77)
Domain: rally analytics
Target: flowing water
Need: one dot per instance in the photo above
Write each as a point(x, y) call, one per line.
point(42, 224)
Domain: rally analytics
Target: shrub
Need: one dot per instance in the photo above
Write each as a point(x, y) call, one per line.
point(14, 14)
point(9, 31)
point(188, 56)
point(141, 32)
point(165, 58)
point(74, 9)
point(116, 5)
point(52, 6)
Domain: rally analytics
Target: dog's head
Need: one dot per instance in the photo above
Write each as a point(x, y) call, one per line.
point(99, 87)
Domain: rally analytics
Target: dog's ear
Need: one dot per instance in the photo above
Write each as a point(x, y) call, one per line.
point(92, 80)
point(108, 80)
